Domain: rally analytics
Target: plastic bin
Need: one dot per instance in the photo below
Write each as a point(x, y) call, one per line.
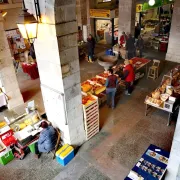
point(32, 146)
point(6, 156)
point(65, 154)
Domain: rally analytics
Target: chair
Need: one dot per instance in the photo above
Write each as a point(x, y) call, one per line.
point(57, 143)
point(154, 70)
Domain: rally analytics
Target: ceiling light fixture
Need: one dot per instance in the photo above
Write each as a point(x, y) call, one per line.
point(152, 2)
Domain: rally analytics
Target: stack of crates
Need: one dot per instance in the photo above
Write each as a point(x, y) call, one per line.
point(91, 118)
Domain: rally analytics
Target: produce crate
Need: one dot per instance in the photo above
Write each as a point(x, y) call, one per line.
point(91, 118)
point(32, 146)
point(65, 154)
point(101, 98)
point(6, 156)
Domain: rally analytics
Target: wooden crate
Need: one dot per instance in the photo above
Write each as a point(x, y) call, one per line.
point(91, 118)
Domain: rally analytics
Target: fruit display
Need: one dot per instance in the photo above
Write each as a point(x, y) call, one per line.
point(20, 125)
point(86, 100)
point(104, 75)
point(86, 86)
point(98, 80)
point(98, 89)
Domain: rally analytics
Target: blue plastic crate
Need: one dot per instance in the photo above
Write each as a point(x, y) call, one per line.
point(66, 160)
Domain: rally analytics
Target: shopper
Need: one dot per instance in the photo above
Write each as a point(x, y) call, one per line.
point(128, 76)
point(140, 45)
point(130, 47)
point(123, 39)
point(111, 85)
point(32, 52)
point(91, 46)
point(47, 139)
point(137, 30)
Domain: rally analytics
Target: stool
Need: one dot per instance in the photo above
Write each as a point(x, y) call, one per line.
point(154, 70)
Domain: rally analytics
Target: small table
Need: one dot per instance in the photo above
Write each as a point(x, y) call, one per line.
point(144, 63)
point(31, 69)
point(168, 107)
point(3, 101)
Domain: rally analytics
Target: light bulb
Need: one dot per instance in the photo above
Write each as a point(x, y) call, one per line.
point(151, 2)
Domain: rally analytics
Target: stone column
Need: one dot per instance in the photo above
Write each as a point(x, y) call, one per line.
point(173, 53)
point(7, 71)
point(81, 11)
point(90, 22)
point(127, 15)
point(58, 63)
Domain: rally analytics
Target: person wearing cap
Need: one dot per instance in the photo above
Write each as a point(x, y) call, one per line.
point(128, 76)
point(111, 85)
point(47, 139)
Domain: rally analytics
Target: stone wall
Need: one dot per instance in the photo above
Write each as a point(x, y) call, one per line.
point(7, 72)
point(173, 53)
point(57, 52)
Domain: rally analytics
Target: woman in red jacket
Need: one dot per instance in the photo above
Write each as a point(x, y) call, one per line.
point(123, 39)
point(128, 76)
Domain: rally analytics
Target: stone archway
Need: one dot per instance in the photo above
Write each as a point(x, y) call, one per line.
point(58, 62)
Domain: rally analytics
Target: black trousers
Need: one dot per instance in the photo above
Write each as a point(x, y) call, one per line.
point(36, 148)
point(129, 87)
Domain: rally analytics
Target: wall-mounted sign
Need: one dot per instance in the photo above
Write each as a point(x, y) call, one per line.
point(139, 8)
point(100, 13)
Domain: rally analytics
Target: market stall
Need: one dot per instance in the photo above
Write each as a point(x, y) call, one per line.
point(152, 165)
point(17, 134)
point(166, 95)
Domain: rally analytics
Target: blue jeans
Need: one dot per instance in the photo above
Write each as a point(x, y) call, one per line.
point(111, 92)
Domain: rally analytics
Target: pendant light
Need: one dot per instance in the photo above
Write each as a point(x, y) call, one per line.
point(27, 25)
point(152, 2)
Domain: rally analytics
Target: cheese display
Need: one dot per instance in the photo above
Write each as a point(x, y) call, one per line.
point(170, 84)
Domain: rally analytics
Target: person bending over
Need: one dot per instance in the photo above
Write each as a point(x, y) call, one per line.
point(47, 139)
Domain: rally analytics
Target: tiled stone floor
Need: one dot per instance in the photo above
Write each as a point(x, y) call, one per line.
point(125, 134)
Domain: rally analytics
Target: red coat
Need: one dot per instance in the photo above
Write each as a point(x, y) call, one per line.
point(131, 75)
point(123, 39)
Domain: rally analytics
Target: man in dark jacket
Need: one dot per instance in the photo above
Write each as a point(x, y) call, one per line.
point(91, 46)
point(130, 47)
point(111, 85)
point(47, 139)
point(140, 45)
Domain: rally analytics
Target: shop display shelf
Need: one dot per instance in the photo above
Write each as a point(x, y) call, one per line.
point(91, 117)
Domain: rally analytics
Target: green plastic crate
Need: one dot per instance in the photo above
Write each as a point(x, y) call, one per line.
point(32, 147)
point(6, 156)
